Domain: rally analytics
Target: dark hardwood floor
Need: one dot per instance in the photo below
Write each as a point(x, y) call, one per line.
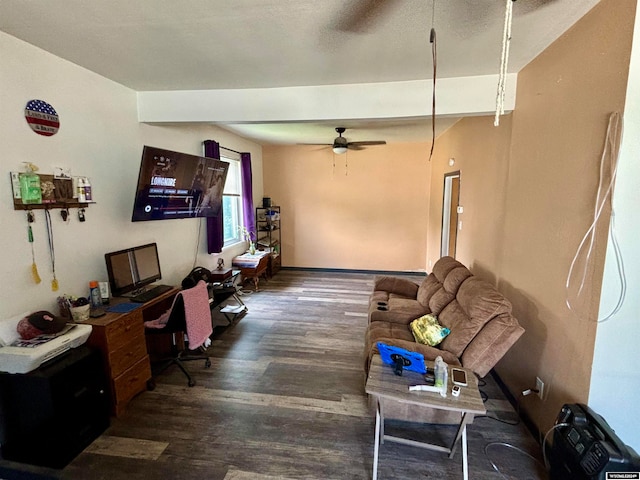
point(284, 399)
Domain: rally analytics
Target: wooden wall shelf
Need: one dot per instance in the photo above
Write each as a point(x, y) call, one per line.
point(63, 199)
point(18, 205)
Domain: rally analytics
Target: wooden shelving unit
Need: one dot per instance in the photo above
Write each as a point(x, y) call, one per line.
point(268, 236)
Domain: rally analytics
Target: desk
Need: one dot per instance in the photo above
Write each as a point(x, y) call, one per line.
point(121, 340)
point(384, 385)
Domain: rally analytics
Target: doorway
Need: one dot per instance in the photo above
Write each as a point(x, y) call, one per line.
point(451, 197)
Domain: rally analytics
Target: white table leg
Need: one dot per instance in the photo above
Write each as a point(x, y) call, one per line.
point(376, 445)
point(381, 411)
point(465, 466)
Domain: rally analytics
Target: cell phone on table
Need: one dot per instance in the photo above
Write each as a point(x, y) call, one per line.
point(459, 377)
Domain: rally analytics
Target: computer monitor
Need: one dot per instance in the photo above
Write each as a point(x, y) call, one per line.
point(131, 269)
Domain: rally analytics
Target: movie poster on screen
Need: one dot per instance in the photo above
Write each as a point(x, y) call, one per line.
point(178, 185)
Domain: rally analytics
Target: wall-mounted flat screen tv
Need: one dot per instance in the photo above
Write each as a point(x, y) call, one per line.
point(178, 185)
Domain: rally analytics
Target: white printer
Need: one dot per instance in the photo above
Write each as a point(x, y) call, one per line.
point(23, 359)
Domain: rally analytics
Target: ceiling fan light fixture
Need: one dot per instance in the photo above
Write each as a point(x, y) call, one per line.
point(339, 150)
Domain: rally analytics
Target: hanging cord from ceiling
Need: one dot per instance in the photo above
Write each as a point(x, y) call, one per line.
point(195, 254)
point(610, 152)
point(504, 61)
point(434, 58)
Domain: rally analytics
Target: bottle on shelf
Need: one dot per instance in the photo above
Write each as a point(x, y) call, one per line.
point(30, 190)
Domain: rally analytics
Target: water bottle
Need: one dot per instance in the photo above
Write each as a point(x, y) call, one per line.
point(445, 379)
point(96, 299)
point(439, 371)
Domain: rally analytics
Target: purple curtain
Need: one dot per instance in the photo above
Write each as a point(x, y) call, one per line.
point(215, 225)
point(249, 216)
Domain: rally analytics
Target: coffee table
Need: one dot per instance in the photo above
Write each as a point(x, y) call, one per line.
point(383, 384)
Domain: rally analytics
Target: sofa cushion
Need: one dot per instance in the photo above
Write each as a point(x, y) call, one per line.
point(477, 302)
point(439, 300)
point(443, 266)
point(481, 300)
point(455, 278)
point(428, 331)
point(428, 287)
point(398, 310)
point(379, 330)
point(450, 282)
point(491, 343)
point(462, 327)
point(436, 278)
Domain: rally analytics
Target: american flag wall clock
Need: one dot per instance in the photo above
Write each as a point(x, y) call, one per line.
point(42, 117)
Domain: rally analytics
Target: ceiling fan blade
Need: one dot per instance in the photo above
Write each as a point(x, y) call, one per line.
point(360, 15)
point(365, 143)
point(323, 144)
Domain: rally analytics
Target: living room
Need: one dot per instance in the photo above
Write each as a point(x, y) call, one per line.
point(528, 192)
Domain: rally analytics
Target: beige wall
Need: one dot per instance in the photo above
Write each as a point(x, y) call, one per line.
point(99, 137)
point(481, 154)
point(527, 209)
point(368, 212)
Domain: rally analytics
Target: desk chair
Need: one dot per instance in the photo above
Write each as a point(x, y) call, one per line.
point(189, 314)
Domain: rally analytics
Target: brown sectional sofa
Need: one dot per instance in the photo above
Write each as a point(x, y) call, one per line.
point(479, 317)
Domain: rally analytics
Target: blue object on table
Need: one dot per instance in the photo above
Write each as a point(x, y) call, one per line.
point(401, 358)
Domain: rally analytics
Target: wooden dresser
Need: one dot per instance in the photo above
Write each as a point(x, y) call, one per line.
point(120, 337)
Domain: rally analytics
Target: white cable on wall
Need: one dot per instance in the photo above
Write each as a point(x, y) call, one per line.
point(504, 61)
point(610, 152)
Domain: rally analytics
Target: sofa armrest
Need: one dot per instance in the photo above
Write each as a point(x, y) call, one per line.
point(491, 343)
point(396, 285)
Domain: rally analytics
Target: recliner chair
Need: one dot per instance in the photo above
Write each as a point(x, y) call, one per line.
point(189, 314)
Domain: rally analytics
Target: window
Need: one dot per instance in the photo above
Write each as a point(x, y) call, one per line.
point(232, 198)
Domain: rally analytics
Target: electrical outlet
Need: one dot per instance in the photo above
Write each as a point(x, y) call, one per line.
point(540, 388)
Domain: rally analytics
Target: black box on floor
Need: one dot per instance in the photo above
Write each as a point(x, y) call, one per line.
point(585, 447)
point(49, 415)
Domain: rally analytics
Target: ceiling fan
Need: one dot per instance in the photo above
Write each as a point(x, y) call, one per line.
point(341, 144)
point(359, 16)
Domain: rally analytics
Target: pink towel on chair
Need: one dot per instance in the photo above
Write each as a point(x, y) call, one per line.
point(197, 315)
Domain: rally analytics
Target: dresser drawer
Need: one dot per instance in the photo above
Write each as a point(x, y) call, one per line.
point(132, 381)
point(125, 356)
point(124, 329)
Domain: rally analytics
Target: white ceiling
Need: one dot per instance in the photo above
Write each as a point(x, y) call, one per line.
point(215, 44)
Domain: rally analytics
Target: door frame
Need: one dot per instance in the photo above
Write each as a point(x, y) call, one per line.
point(449, 214)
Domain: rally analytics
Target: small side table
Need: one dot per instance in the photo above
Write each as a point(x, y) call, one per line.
point(382, 383)
point(252, 267)
point(224, 289)
point(221, 275)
